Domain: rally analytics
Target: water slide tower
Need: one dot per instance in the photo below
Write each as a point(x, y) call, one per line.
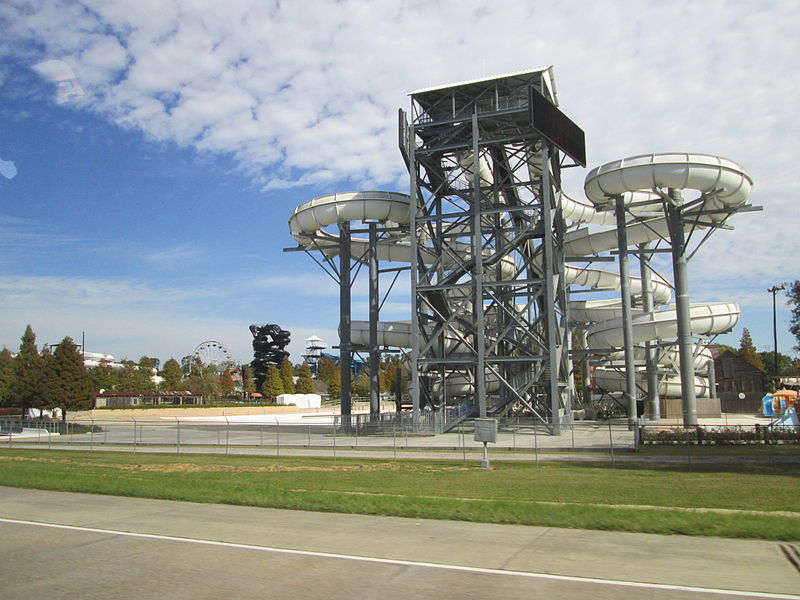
point(314, 347)
point(488, 290)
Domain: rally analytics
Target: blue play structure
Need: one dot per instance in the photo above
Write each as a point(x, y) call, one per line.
point(788, 418)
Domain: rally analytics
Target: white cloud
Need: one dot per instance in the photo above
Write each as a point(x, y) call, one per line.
point(176, 257)
point(306, 93)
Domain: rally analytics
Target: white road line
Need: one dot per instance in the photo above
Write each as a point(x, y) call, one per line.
point(410, 563)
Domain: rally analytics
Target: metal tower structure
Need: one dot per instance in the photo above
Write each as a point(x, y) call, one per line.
point(490, 301)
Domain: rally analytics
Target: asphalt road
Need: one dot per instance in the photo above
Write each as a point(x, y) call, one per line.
point(60, 545)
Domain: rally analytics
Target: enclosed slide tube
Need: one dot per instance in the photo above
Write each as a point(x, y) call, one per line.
point(635, 179)
point(724, 187)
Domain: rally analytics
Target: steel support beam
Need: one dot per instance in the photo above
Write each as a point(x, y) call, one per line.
point(653, 399)
point(712, 380)
point(676, 224)
point(415, 243)
point(374, 302)
point(477, 252)
point(627, 317)
point(550, 293)
point(345, 345)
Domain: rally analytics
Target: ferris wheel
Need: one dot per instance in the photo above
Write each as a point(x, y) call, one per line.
point(212, 352)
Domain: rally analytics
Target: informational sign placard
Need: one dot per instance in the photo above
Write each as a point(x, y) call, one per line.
point(557, 127)
point(485, 430)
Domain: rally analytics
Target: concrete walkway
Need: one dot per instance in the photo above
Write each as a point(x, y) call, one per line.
point(110, 547)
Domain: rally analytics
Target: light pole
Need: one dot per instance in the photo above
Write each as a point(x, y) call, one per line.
point(774, 290)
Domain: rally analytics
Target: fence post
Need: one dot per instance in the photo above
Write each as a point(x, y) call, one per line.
point(277, 437)
point(91, 436)
point(134, 434)
point(611, 441)
point(463, 441)
point(309, 435)
point(227, 434)
point(334, 438)
point(178, 437)
point(394, 440)
point(572, 430)
point(535, 443)
point(689, 450)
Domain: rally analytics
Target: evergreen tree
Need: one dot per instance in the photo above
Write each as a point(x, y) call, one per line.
point(149, 363)
point(248, 383)
point(103, 377)
point(226, 383)
point(273, 385)
point(67, 384)
point(287, 376)
point(335, 384)
point(126, 377)
point(748, 351)
point(173, 375)
point(143, 377)
point(305, 385)
point(25, 386)
point(6, 374)
point(326, 367)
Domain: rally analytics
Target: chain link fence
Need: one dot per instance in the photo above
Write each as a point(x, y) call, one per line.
point(388, 436)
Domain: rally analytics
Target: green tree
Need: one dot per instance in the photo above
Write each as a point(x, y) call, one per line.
point(335, 384)
point(67, 384)
point(6, 374)
point(103, 376)
point(273, 384)
point(147, 362)
point(305, 385)
point(143, 378)
point(248, 383)
point(748, 351)
point(187, 363)
point(391, 371)
point(127, 376)
point(226, 383)
point(204, 380)
point(785, 363)
point(287, 376)
point(326, 367)
point(172, 374)
point(361, 384)
point(793, 293)
point(25, 387)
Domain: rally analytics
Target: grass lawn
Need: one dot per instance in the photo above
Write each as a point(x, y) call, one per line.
point(666, 499)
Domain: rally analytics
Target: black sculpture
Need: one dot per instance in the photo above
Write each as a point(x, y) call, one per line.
point(269, 342)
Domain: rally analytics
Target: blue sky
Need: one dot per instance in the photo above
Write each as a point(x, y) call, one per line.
point(151, 211)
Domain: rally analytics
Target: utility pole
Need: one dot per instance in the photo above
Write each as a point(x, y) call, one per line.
point(774, 290)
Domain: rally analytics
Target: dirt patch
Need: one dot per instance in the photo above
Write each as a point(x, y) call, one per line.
point(195, 468)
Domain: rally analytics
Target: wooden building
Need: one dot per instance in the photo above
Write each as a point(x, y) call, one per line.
point(736, 376)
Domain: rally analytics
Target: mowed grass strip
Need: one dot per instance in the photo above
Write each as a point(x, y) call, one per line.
point(646, 498)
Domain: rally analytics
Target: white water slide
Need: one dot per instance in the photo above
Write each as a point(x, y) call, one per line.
point(721, 184)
